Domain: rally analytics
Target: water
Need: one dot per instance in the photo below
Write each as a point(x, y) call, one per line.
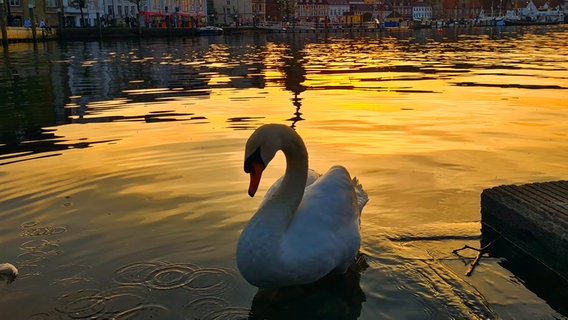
point(123, 193)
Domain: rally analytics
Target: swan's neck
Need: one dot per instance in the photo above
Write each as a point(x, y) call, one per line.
point(292, 188)
point(276, 213)
point(265, 233)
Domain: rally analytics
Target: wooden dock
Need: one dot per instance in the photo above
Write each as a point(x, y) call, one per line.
point(533, 217)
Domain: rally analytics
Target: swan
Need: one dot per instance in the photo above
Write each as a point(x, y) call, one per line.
point(307, 226)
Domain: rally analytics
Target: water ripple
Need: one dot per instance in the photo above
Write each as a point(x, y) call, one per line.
point(214, 308)
point(36, 250)
point(116, 303)
point(510, 85)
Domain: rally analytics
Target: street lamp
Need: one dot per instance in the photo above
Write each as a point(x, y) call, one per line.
point(31, 6)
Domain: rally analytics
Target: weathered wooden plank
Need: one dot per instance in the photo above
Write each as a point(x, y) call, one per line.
point(548, 199)
point(557, 190)
point(538, 198)
point(533, 217)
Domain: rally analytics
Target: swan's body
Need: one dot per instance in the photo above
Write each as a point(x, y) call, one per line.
point(308, 224)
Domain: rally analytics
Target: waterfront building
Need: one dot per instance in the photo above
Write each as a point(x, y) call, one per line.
point(258, 11)
point(420, 13)
point(18, 11)
point(364, 11)
point(194, 13)
point(77, 13)
point(178, 13)
point(312, 11)
point(531, 14)
point(338, 9)
point(81, 13)
point(233, 12)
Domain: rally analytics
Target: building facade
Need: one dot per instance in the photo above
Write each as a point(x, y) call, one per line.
point(337, 10)
point(88, 13)
point(193, 13)
point(420, 13)
point(312, 11)
point(235, 12)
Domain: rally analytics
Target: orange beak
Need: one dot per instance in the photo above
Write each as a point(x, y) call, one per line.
point(255, 175)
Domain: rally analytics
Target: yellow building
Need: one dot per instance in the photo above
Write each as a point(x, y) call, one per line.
point(18, 11)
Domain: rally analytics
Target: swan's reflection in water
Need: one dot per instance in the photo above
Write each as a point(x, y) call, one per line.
point(333, 297)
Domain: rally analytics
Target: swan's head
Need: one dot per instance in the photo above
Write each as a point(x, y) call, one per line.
point(261, 148)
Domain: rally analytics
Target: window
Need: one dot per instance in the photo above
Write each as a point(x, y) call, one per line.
point(15, 3)
point(51, 3)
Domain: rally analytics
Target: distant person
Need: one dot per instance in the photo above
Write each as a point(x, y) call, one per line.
point(27, 23)
point(43, 26)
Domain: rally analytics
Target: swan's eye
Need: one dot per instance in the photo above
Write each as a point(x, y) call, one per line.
point(253, 158)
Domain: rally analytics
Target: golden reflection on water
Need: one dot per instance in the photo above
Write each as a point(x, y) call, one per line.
point(153, 172)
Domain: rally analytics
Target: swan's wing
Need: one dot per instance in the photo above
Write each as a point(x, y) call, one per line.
point(324, 234)
point(332, 199)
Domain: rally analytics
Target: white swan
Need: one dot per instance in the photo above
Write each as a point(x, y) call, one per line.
point(308, 224)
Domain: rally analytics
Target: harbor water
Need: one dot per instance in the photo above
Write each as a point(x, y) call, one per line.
point(122, 191)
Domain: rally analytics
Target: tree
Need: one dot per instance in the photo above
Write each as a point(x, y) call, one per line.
point(287, 8)
point(138, 3)
point(80, 4)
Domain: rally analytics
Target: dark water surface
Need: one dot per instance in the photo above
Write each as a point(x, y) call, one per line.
point(122, 193)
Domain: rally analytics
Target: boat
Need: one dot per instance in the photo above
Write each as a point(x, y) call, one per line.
point(531, 15)
point(492, 20)
point(209, 30)
point(419, 24)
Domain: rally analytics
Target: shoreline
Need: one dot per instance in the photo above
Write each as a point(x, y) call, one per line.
point(23, 34)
